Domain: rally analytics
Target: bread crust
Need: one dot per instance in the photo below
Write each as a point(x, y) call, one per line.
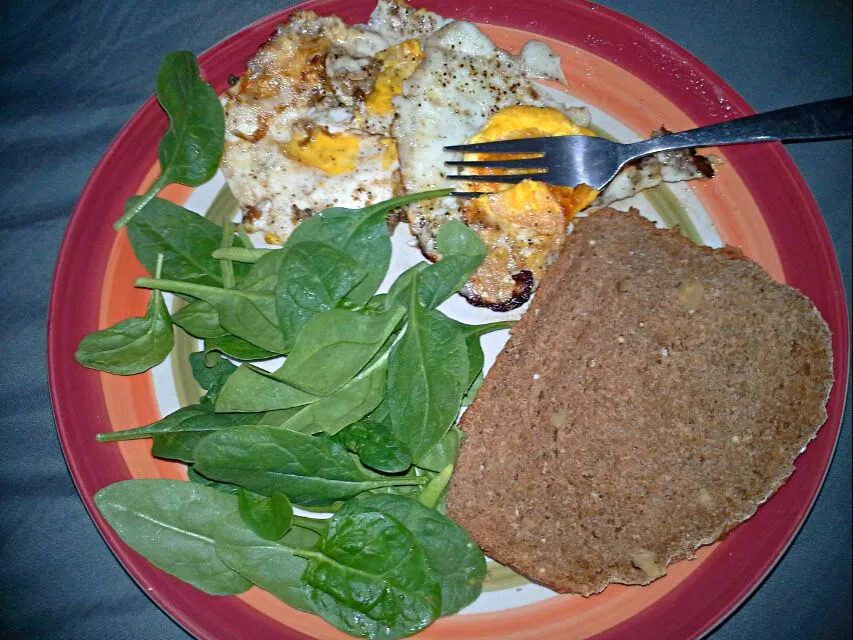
point(652, 397)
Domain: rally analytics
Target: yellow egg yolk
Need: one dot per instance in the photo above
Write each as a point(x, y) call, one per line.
point(332, 153)
point(513, 123)
point(398, 63)
point(523, 225)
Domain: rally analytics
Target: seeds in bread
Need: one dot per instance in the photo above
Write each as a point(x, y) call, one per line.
point(651, 398)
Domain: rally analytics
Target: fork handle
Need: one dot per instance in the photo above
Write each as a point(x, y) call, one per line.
point(812, 121)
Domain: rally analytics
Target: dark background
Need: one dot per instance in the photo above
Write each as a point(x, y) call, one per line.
point(72, 73)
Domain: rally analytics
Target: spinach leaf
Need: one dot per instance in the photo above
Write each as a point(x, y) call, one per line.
point(211, 371)
point(185, 239)
point(309, 470)
point(454, 560)
point(313, 278)
point(461, 251)
point(191, 149)
point(246, 312)
point(369, 577)
point(237, 348)
point(199, 319)
point(270, 518)
point(375, 445)
point(400, 289)
point(360, 233)
point(247, 254)
point(178, 446)
point(172, 524)
point(133, 345)
point(250, 389)
point(194, 418)
point(334, 346)
point(351, 402)
point(444, 453)
point(272, 565)
point(427, 375)
point(195, 476)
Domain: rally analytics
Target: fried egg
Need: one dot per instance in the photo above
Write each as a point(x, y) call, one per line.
point(308, 125)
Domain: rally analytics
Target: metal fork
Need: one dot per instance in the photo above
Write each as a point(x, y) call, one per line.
point(574, 160)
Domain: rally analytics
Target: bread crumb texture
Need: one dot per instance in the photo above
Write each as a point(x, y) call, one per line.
point(655, 396)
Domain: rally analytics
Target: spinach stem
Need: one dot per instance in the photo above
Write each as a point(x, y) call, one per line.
point(241, 254)
point(139, 204)
point(226, 265)
point(431, 493)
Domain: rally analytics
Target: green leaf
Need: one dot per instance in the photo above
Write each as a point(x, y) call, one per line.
point(172, 524)
point(246, 312)
point(433, 493)
point(211, 371)
point(224, 487)
point(185, 239)
point(178, 446)
point(313, 278)
point(360, 233)
point(237, 348)
point(461, 251)
point(454, 560)
point(427, 375)
point(266, 460)
point(370, 578)
point(191, 149)
point(375, 445)
point(194, 418)
point(131, 346)
point(250, 389)
point(270, 518)
point(334, 346)
point(272, 565)
point(351, 402)
point(444, 453)
point(199, 319)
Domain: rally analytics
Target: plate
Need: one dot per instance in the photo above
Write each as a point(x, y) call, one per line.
point(633, 79)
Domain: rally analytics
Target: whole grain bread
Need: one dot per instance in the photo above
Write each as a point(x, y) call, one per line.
point(651, 398)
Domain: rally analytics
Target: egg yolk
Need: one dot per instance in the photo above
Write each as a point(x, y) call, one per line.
point(332, 153)
point(398, 63)
point(523, 225)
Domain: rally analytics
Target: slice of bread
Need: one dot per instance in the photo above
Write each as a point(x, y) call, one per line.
point(652, 397)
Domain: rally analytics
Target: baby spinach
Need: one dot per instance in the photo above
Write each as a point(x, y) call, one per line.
point(427, 375)
point(268, 517)
point(309, 470)
point(342, 407)
point(226, 265)
point(185, 239)
point(224, 487)
point(375, 445)
point(173, 524)
point(461, 251)
point(197, 418)
point(237, 348)
point(444, 452)
point(133, 345)
point(312, 278)
point(191, 149)
point(368, 576)
point(334, 346)
point(199, 319)
point(211, 371)
point(272, 565)
point(360, 233)
point(245, 311)
point(433, 493)
point(251, 389)
point(454, 560)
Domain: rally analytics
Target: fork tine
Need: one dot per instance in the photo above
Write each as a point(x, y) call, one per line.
point(524, 163)
point(523, 145)
point(469, 194)
point(511, 179)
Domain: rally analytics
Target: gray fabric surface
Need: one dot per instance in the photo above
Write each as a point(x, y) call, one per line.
point(74, 72)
